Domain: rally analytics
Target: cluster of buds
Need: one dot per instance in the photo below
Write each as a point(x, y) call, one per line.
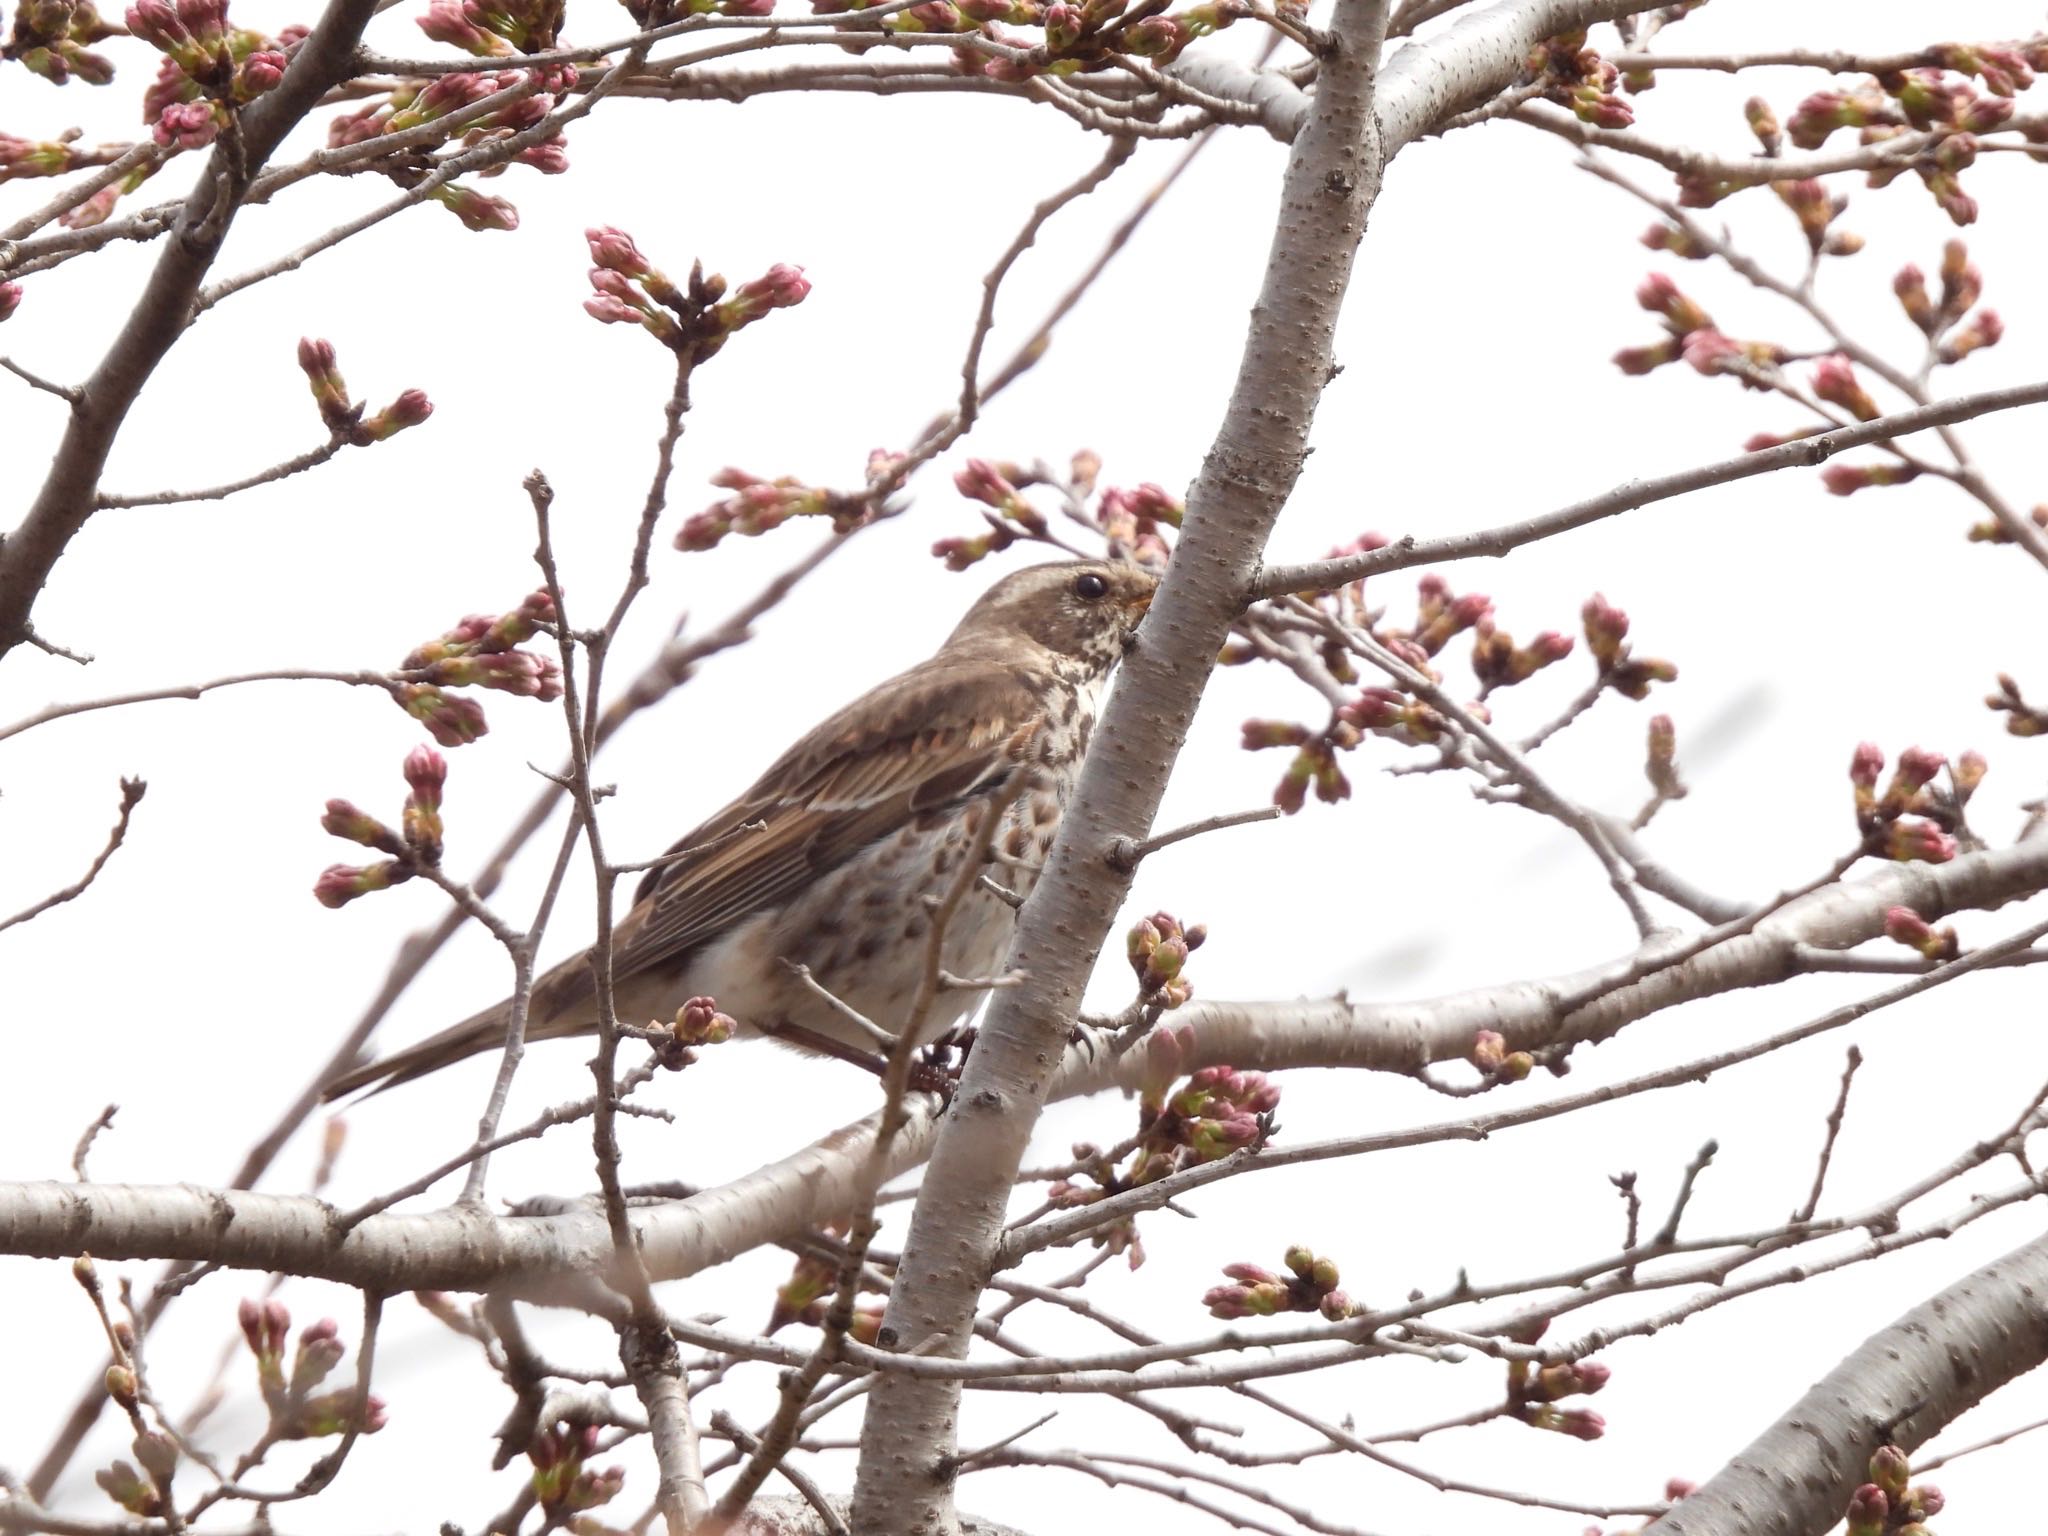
point(561, 1485)
point(1010, 515)
point(1310, 1285)
point(1891, 1502)
point(1692, 337)
point(426, 774)
point(1499, 663)
point(694, 320)
point(1943, 323)
point(1911, 820)
point(1926, 100)
point(697, 1023)
point(496, 29)
point(21, 159)
point(209, 68)
point(1902, 925)
point(758, 506)
point(417, 103)
point(480, 652)
point(1132, 523)
point(1534, 1391)
point(2021, 718)
point(146, 1492)
point(297, 1411)
point(344, 417)
point(1440, 615)
point(1315, 758)
point(1495, 1062)
point(53, 38)
point(1816, 209)
point(1077, 37)
point(1217, 1111)
point(1578, 79)
point(1158, 947)
point(1067, 1194)
point(1606, 637)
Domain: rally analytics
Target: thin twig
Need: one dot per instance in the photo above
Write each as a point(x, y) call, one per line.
point(311, 458)
point(1827, 1146)
point(132, 791)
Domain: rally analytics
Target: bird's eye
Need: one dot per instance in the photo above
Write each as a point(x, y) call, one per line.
point(1090, 586)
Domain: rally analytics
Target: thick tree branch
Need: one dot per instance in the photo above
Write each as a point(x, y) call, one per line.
point(1332, 179)
point(468, 1250)
point(1900, 1385)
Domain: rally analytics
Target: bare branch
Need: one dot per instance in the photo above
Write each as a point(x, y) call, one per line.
point(132, 791)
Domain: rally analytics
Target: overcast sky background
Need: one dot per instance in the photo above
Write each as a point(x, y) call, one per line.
point(198, 983)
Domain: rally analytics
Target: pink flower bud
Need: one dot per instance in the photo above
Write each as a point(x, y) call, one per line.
point(614, 249)
point(1923, 842)
point(1834, 380)
point(186, 125)
point(10, 299)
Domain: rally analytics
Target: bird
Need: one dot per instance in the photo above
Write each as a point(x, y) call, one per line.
point(827, 872)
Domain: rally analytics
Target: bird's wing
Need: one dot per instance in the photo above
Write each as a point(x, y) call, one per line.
point(914, 745)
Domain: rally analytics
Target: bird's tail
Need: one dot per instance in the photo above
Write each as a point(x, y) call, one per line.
point(547, 1019)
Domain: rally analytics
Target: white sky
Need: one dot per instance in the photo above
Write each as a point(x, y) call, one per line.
point(198, 983)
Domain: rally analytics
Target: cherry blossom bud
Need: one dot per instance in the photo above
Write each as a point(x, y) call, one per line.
point(1658, 294)
point(186, 125)
point(448, 21)
point(478, 210)
point(1902, 925)
point(320, 1350)
point(1961, 282)
point(408, 410)
point(1763, 122)
point(121, 1386)
point(778, 288)
point(1911, 287)
point(1606, 627)
point(1848, 479)
point(1636, 361)
point(1673, 240)
point(345, 820)
point(614, 249)
point(158, 1454)
point(453, 722)
point(10, 299)
point(1834, 380)
point(129, 1489)
point(340, 884)
point(1923, 842)
point(1984, 329)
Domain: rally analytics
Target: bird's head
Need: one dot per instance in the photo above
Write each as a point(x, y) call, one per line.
point(1082, 609)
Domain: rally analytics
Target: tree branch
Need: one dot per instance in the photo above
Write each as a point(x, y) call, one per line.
point(1900, 1386)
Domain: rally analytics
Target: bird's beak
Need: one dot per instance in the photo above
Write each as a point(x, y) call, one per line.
point(1136, 606)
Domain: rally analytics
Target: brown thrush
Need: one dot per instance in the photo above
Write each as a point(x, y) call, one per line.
point(862, 823)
